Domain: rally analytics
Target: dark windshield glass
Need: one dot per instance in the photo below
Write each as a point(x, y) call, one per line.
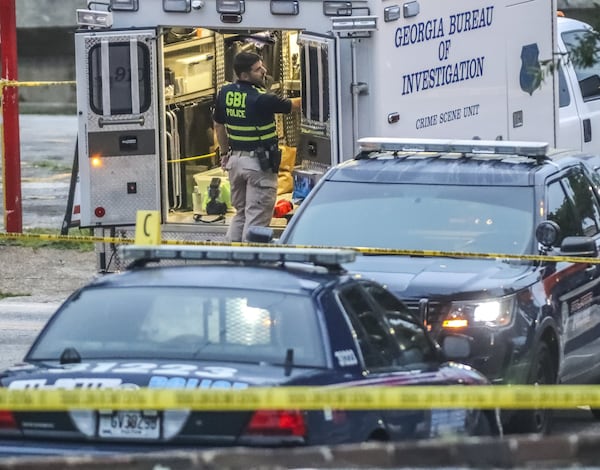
point(491, 219)
point(185, 323)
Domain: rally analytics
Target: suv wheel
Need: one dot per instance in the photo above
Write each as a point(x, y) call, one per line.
point(537, 421)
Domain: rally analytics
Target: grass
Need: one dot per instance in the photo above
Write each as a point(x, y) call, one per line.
point(44, 243)
point(53, 167)
point(4, 295)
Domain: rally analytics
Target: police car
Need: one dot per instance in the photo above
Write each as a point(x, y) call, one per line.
point(231, 318)
point(481, 230)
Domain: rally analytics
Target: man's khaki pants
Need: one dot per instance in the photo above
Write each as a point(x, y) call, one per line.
point(253, 194)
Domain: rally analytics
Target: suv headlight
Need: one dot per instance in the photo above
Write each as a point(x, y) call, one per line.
point(492, 313)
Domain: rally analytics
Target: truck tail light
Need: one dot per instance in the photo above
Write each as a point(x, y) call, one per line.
point(96, 161)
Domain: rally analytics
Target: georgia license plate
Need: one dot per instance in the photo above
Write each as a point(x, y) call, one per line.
point(447, 421)
point(129, 424)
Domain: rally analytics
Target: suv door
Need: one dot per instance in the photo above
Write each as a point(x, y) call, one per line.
point(572, 203)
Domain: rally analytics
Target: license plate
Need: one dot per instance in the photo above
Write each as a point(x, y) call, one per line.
point(447, 421)
point(129, 424)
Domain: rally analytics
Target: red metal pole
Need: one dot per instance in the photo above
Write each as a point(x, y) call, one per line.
point(9, 125)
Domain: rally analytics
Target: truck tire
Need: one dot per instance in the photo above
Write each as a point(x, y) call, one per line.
point(537, 421)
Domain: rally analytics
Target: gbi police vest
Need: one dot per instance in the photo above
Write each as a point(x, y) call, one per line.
point(248, 114)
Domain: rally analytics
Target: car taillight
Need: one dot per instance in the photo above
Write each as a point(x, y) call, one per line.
point(7, 420)
point(277, 423)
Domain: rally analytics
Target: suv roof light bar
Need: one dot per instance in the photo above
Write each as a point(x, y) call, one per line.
point(503, 147)
point(319, 256)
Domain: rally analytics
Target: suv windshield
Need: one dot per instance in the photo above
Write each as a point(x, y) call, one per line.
point(478, 219)
point(185, 323)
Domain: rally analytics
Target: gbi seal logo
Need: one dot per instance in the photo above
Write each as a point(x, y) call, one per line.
point(530, 75)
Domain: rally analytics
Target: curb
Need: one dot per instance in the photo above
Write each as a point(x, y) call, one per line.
point(23, 306)
point(516, 452)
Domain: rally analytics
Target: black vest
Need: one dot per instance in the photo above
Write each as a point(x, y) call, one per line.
point(249, 125)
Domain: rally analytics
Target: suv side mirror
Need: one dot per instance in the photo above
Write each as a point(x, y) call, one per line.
point(579, 246)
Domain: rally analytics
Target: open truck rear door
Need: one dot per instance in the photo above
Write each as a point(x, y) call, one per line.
point(118, 120)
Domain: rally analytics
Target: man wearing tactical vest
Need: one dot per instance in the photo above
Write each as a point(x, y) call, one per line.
point(245, 128)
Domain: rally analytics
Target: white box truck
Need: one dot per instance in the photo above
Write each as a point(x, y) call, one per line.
point(148, 73)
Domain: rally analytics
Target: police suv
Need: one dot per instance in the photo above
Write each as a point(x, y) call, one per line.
point(492, 241)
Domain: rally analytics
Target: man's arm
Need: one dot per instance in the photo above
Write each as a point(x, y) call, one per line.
point(222, 139)
point(296, 104)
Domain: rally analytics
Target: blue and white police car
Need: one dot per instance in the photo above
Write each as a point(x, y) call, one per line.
point(228, 318)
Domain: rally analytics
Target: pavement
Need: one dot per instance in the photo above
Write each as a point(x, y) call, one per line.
point(47, 153)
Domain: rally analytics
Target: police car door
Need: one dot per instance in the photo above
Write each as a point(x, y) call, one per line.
point(118, 140)
point(319, 129)
point(573, 204)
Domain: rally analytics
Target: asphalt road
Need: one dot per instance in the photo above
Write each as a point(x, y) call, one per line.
point(47, 153)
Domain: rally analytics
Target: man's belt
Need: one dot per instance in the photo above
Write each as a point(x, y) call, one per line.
point(244, 153)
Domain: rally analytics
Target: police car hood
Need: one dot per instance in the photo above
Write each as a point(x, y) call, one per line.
point(412, 276)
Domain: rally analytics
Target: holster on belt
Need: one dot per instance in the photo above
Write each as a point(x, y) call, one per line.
point(275, 158)
point(269, 159)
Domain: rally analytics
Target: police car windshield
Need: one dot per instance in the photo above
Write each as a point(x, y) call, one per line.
point(477, 219)
point(185, 323)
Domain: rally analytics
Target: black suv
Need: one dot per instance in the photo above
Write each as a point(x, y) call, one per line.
point(530, 315)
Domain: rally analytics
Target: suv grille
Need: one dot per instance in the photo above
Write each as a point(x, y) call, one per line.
point(435, 313)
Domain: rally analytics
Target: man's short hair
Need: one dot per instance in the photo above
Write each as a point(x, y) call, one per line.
point(244, 61)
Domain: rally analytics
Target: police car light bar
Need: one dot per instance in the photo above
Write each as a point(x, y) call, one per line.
point(503, 147)
point(317, 256)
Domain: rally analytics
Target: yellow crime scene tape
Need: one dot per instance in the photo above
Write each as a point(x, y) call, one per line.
point(309, 398)
point(363, 250)
point(17, 83)
point(190, 159)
